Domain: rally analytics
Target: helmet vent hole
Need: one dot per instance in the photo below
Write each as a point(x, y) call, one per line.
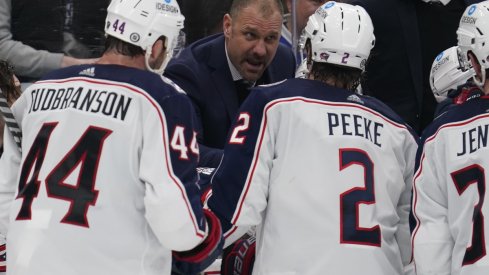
point(359, 21)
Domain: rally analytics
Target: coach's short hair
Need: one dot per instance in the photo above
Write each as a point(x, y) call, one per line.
point(267, 7)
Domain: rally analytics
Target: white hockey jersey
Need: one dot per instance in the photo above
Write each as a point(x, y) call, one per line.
point(106, 182)
point(325, 174)
point(449, 195)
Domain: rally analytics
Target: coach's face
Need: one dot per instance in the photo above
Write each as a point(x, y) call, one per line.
point(252, 39)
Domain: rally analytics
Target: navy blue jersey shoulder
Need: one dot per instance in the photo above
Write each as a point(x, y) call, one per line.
point(324, 92)
point(150, 82)
point(457, 113)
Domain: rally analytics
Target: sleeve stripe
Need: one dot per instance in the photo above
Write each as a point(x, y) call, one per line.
point(415, 201)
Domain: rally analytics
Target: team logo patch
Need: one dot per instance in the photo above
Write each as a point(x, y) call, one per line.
point(324, 56)
point(134, 37)
point(472, 9)
point(329, 5)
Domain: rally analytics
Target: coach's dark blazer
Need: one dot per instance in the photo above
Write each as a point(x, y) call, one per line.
point(202, 71)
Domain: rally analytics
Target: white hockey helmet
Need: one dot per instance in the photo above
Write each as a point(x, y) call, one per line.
point(340, 34)
point(473, 35)
point(448, 72)
point(142, 22)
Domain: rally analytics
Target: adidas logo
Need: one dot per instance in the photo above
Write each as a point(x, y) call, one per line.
point(205, 170)
point(88, 72)
point(355, 98)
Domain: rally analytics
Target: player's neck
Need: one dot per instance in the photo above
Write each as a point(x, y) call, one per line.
point(330, 81)
point(118, 59)
point(485, 88)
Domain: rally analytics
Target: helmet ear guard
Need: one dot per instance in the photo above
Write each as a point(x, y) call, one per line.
point(340, 34)
point(473, 36)
point(143, 22)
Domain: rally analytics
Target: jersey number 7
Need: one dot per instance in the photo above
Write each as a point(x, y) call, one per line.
point(85, 153)
point(463, 178)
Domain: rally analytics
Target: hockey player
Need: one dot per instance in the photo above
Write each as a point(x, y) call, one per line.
point(450, 80)
point(106, 181)
point(450, 182)
point(323, 173)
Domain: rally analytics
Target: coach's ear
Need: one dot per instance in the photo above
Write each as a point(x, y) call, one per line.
point(196, 260)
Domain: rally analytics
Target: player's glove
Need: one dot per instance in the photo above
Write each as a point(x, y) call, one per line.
point(3, 258)
point(195, 260)
point(238, 258)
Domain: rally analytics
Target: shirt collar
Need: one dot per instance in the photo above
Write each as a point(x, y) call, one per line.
point(234, 72)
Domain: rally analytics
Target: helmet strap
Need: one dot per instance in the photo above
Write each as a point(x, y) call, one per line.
point(480, 83)
point(161, 69)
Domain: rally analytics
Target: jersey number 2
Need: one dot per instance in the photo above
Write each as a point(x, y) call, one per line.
point(84, 154)
point(462, 179)
point(350, 231)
